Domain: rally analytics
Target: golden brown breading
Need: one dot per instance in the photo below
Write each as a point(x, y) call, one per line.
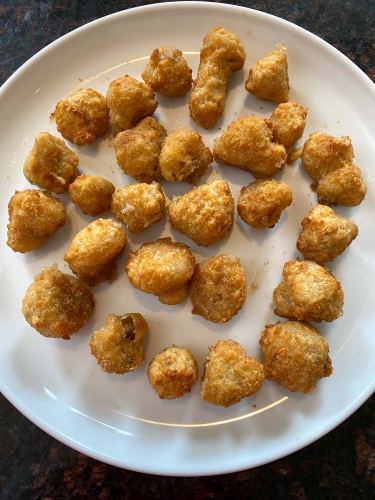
point(138, 149)
point(139, 205)
point(129, 101)
point(261, 202)
point(118, 346)
point(295, 355)
point(93, 252)
point(167, 72)
point(268, 78)
point(184, 156)
point(161, 268)
point(221, 54)
point(247, 144)
point(173, 372)
point(288, 123)
point(205, 214)
point(325, 235)
point(230, 375)
point(82, 116)
point(294, 155)
point(328, 161)
point(51, 164)
point(309, 292)
point(92, 194)
point(218, 288)
point(56, 304)
point(33, 216)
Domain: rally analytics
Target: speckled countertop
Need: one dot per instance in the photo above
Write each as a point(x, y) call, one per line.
point(33, 465)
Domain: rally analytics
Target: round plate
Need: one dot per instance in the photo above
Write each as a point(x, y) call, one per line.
point(119, 419)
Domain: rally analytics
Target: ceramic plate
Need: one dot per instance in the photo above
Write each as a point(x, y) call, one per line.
point(119, 419)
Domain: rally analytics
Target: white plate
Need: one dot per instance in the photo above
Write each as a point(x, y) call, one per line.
point(119, 419)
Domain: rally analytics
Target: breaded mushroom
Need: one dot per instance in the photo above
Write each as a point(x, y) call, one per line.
point(51, 164)
point(138, 206)
point(218, 288)
point(167, 72)
point(138, 149)
point(129, 101)
point(82, 116)
point(296, 356)
point(173, 372)
point(93, 252)
point(184, 156)
point(309, 292)
point(325, 235)
point(247, 144)
point(261, 202)
point(92, 194)
point(230, 375)
point(33, 216)
point(288, 123)
point(118, 346)
point(268, 78)
point(56, 304)
point(205, 214)
point(162, 268)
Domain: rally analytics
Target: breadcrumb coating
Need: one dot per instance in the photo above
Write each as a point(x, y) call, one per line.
point(92, 194)
point(288, 123)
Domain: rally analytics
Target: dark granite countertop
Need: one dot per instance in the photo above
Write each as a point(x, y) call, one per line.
point(33, 465)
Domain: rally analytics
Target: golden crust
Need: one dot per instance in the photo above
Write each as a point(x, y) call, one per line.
point(230, 375)
point(295, 355)
point(325, 235)
point(94, 250)
point(118, 346)
point(56, 304)
point(247, 144)
point(167, 72)
point(184, 156)
point(33, 216)
point(173, 372)
point(218, 288)
point(92, 194)
point(205, 214)
point(309, 292)
point(139, 205)
point(221, 54)
point(288, 123)
point(343, 186)
point(51, 164)
point(82, 116)
point(268, 78)
point(261, 202)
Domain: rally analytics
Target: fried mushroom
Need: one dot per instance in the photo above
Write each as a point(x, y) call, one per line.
point(288, 123)
point(92, 194)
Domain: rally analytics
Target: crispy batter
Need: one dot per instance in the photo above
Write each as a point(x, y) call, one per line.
point(138, 149)
point(309, 292)
point(295, 355)
point(221, 54)
point(218, 288)
point(343, 186)
point(205, 214)
point(268, 78)
point(261, 202)
point(51, 164)
point(33, 216)
point(288, 123)
point(93, 252)
point(247, 144)
point(139, 205)
point(118, 346)
point(161, 268)
point(173, 372)
point(230, 375)
point(92, 194)
point(184, 156)
point(167, 72)
point(56, 304)
point(129, 101)
point(82, 116)
point(294, 155)
point(325, 235)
